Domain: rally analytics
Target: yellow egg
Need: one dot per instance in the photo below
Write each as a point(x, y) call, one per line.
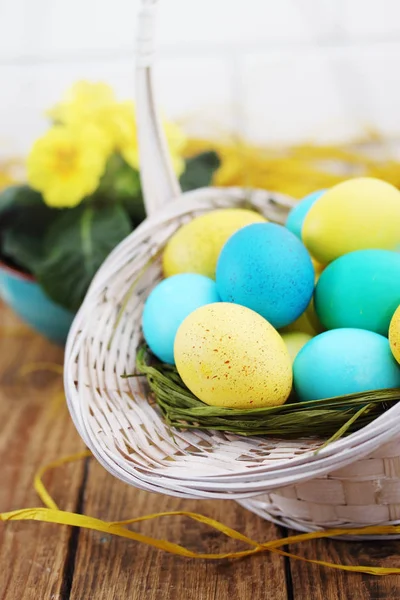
point(294, 341)
point(318, 268)
point(196, 246)
point(394, 335)
point(308, 322)
point(230, 356)
point(353, 215)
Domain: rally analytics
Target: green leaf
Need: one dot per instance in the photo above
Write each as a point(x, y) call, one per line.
point(24, 220)
point(127, 182)
point(135, 208)
point(199, 171)
point(22, 249)
point(75, 247)
point(17, 197)
point(121, 183)
point(128, 190)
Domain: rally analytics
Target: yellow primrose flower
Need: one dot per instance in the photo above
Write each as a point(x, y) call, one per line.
point(66, 164)
point(95, 103)
point(83, 100)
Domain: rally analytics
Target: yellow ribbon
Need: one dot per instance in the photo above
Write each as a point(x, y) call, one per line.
point(296, 170)
point(52, 514)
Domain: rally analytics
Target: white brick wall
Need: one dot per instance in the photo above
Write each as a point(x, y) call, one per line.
point(278, 71)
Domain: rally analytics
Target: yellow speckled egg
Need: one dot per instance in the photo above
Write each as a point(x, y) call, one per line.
point(294, 341)
point(230, 356)
point(394, 335)
point(354, 215)
point(196, 246)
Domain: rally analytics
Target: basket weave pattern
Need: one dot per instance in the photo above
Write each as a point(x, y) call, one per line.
point(352, 482)
point(365, 492)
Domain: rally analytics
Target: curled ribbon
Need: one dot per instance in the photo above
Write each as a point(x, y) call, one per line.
point(52, 514)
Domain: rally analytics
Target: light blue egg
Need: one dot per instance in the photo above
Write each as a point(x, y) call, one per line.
point(344, 361)
point(297, 215)
point(266, 268)
point(168, 304)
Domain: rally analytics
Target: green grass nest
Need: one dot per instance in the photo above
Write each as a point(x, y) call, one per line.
point(331, 418)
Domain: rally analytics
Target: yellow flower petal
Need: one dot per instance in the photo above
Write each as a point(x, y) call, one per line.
point(66, 164)
point(82, 99)
point(62, 196)
point(131, 155)
point(95, 103)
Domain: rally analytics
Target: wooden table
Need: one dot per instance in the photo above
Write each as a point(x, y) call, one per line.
point(48, 562)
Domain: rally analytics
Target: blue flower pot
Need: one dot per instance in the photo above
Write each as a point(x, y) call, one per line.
point(28, 301)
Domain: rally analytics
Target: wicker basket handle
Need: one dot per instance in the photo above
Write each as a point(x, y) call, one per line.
point(159, 182)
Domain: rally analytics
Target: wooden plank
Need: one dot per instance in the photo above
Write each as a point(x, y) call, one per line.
point(35, 428)
point(109, 568)
point(52, 562)
point(320, 583)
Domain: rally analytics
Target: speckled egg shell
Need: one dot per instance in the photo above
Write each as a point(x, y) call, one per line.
point(195, 247)
point(230, 356)
point(394, 335)
point(266, 268)
point(360, 290)
point(344, 361)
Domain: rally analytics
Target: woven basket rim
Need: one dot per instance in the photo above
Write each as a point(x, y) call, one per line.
point(299, 468)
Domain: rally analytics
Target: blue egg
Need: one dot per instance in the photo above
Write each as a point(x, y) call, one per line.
point(297, 215)
point(169, 303)
point(344, 361)
point(266, 268)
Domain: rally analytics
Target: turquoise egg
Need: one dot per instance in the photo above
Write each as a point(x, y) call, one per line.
point(168, 304)
point(297, 215)
point(266, 268)
point(361, 290)
point(344, 361)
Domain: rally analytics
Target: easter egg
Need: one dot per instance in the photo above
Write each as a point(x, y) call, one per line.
point(308, 322)
point(266, 268)
point(295, 340)
point(318, 268)
point(360, 290)
point(394, 334)
point(354, 215)
point(228, 355)
point(344, 361)
point(168, 304)
point(297, 215)
point(195, 247)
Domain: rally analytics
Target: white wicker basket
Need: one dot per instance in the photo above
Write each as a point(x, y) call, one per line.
point(352, 482)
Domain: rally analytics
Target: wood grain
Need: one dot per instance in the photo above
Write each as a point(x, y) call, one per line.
point(109, 568)
point(35, 428)
point(49, 562)
point(320, 583)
